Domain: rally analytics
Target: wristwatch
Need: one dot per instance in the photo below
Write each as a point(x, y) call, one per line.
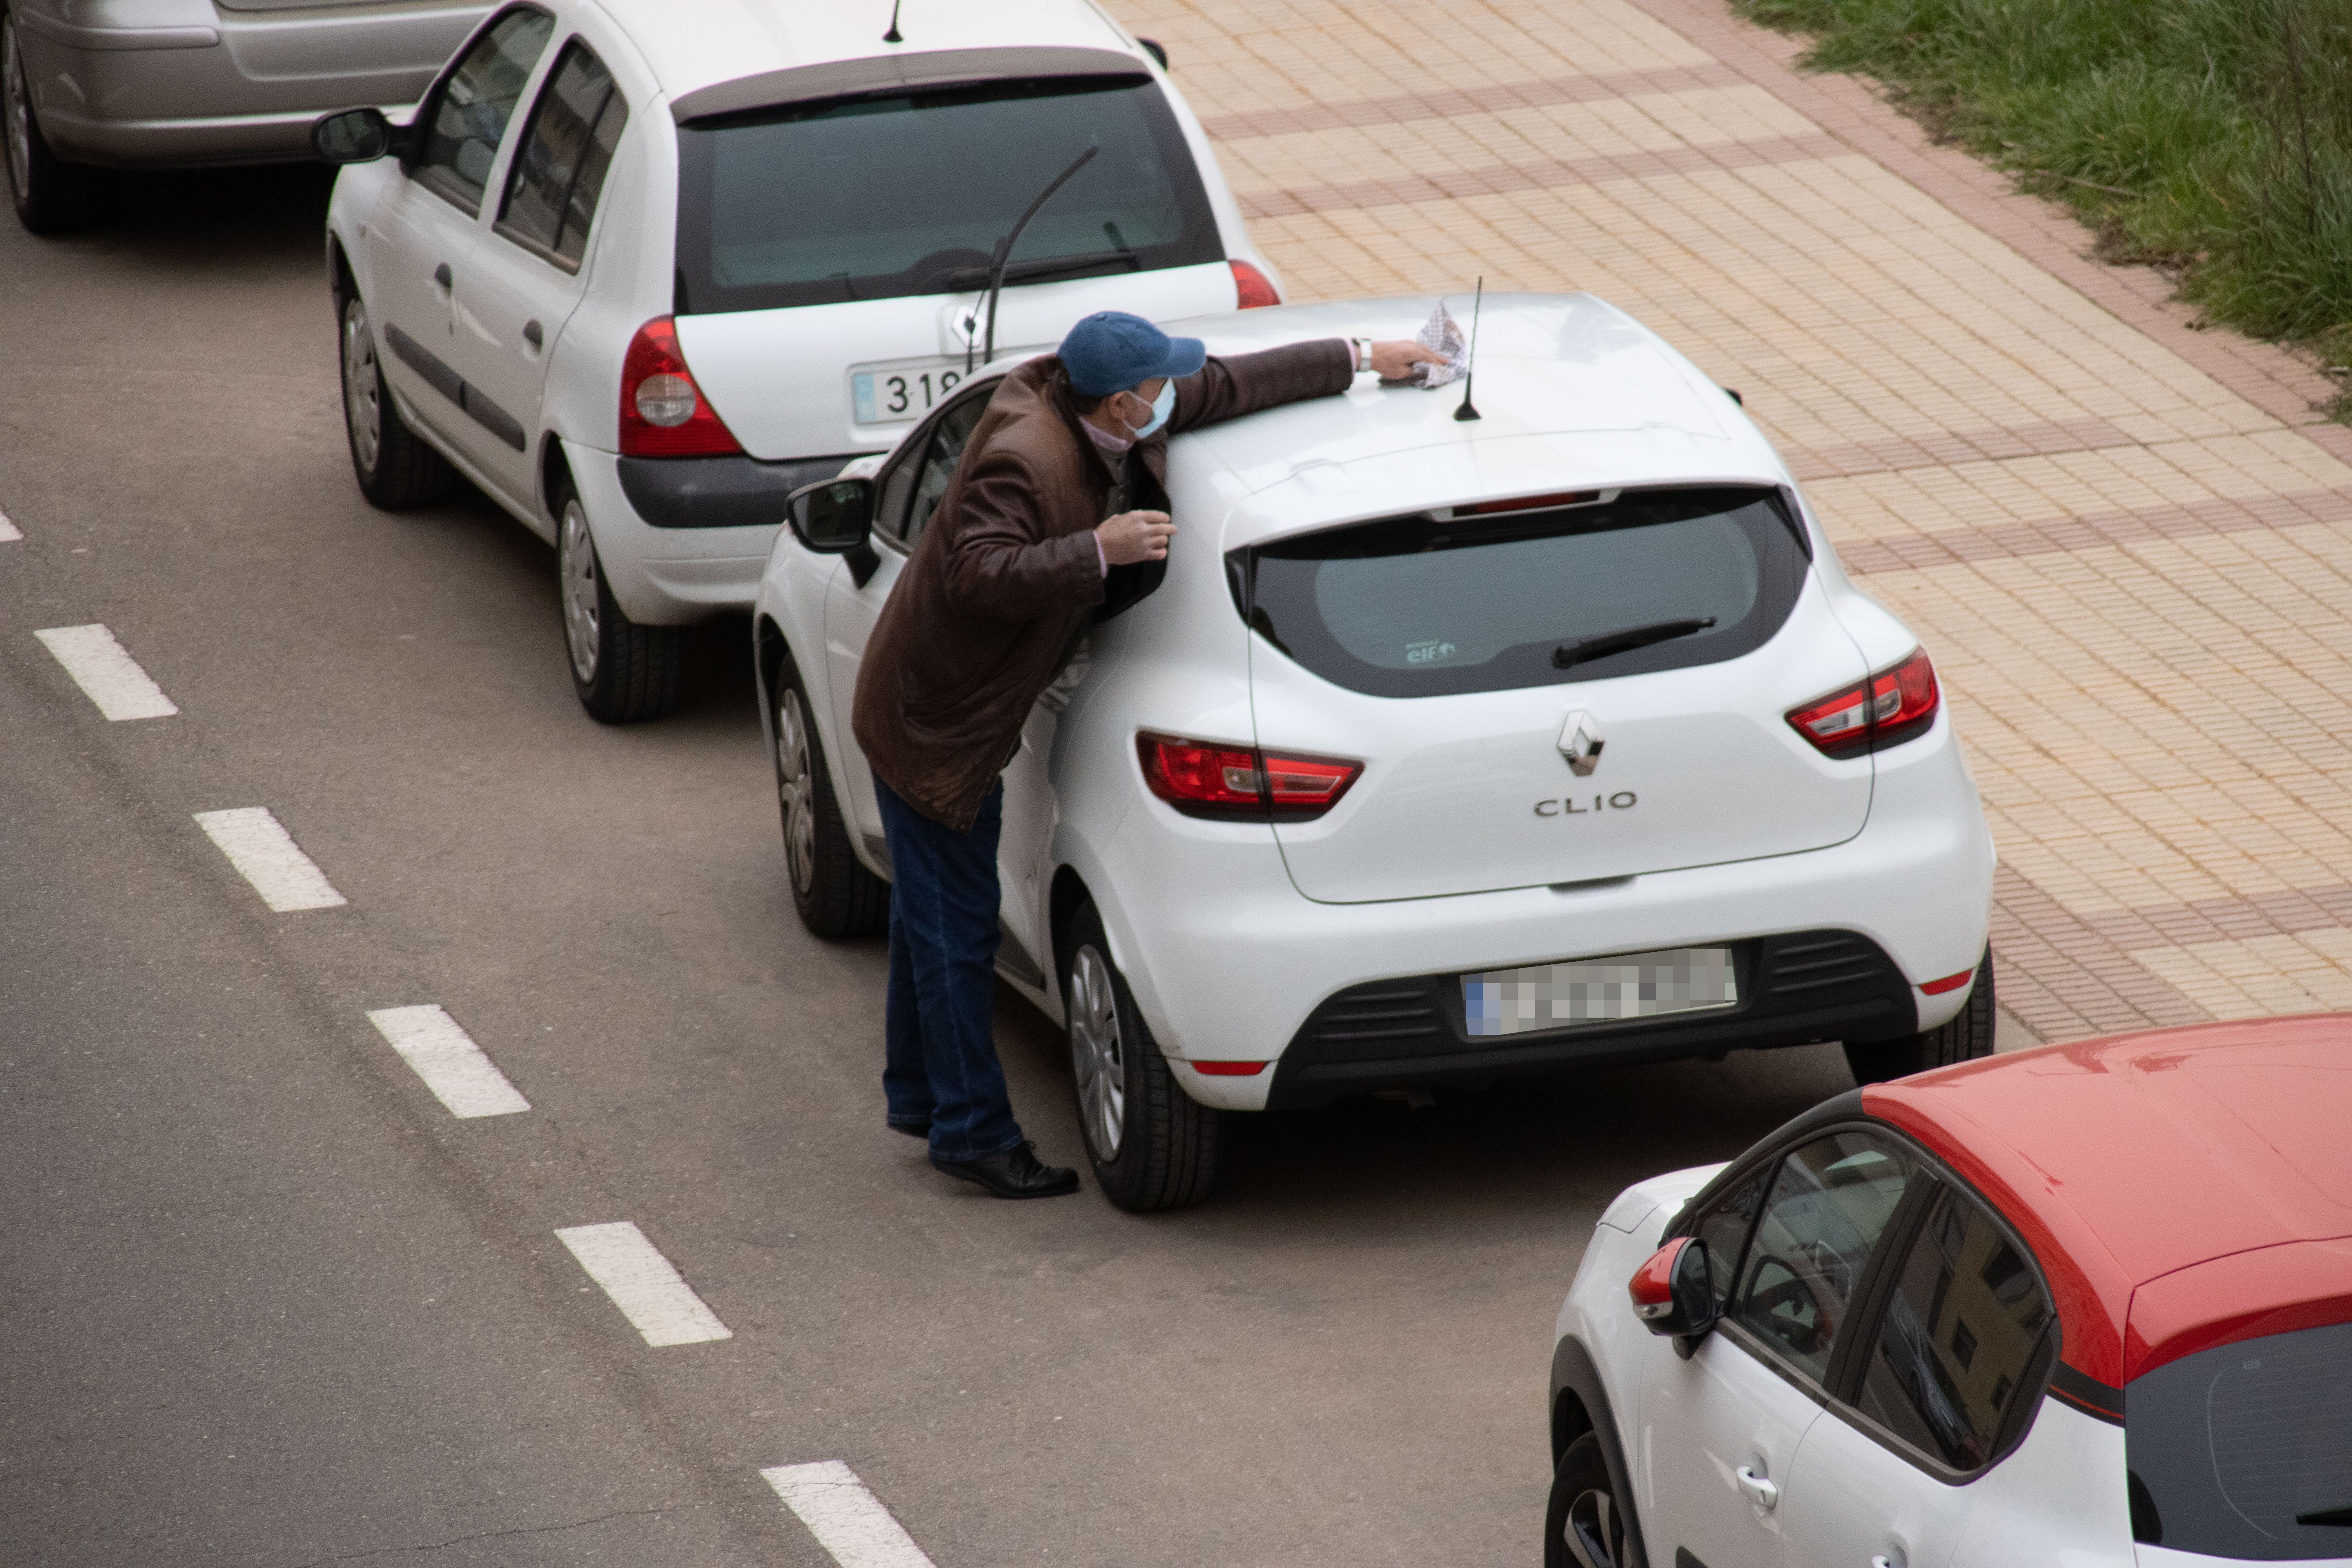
point(1363, 353)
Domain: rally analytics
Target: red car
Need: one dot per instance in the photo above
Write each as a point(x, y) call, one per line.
point(2087, 1304)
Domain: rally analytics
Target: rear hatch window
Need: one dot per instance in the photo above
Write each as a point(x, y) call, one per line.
point(876, 197)
point(1438, 605)
point(2245, 1451)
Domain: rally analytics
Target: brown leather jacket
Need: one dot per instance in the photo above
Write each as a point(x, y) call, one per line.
point(981, 621)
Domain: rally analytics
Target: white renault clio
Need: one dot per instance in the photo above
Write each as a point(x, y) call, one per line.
point(640, 268)
point(1448, 750)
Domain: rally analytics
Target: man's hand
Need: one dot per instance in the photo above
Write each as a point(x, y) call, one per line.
point(1397, 361)
point(1134, 536)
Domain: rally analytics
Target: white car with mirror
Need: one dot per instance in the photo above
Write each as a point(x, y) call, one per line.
point(1447, 750)
point(640, 270)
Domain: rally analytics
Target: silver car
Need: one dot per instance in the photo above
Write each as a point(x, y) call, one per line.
point(145, 84)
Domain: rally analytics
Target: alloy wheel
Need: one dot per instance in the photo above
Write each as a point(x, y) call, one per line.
point(797, 788)
point(1596, 1536)
point(363, 406)
point(575, 561)
point(16, 110)
point(1095, 1054)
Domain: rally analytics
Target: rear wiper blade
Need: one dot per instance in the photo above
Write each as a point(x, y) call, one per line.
point(1577, 650)
point(1044, 267)
point(2327, 1516)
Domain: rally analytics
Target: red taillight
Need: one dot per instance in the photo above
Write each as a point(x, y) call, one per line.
point(1949, 983)
point(1229, 1069)
point(662, 412)
point(1888, 709)
point(1204, 779)
point(1255, 287)
point(1653, 1285)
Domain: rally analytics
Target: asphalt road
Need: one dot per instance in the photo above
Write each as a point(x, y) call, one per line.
point(264, 1300)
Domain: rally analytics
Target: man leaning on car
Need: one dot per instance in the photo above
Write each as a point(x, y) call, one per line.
point(1057, 518)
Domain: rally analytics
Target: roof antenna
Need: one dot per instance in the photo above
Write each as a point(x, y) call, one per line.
point(892, 36)
point(1470, 362)
point(1003, 258)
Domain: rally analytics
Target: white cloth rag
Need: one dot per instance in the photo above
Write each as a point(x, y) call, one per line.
point(1443, 334)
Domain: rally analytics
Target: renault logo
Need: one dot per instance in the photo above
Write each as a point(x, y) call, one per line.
point(1580, 743)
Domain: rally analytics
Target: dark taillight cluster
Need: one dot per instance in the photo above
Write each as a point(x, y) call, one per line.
point(1202, 778)
point(1253, 288)
point(662, 412)
point(1894, 706)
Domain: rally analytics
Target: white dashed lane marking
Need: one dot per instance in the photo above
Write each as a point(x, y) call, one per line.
point(107, 675)
point(265, 855)
point(8, 534)
point(847, 1520)
point(654, 1297)
point(446, 1058)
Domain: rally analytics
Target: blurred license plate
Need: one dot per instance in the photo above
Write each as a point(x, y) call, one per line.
point(1599, 990)
point(893, 393)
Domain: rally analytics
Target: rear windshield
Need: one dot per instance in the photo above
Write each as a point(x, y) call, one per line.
point(1429, 607)
point(878, 197)
point(2246, 1451)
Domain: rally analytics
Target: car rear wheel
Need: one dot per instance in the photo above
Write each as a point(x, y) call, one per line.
point(1584, 1524)
point(622, 671)
point(1152, 1146)
point(51, 196)
point(396, 471)
point(1968, 1035)
point(835, 895)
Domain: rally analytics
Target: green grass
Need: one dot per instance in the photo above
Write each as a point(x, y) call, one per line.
point(2212, 137)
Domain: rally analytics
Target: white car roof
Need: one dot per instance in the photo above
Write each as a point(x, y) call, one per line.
point(695, 45)
point(1573, 395)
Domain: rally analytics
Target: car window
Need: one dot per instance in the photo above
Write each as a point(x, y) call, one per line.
point(1438, 603)
point(778, 206)
point(927, 478)
point(1957, 1338)
point(2245, 1450)
point(1724, 1228)
point(469, 113)
point(1830, 1202)
point(560, 170)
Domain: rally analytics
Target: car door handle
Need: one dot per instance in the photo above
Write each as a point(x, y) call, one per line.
point(533, 335)
point(1760, 1491)
point(442, 276)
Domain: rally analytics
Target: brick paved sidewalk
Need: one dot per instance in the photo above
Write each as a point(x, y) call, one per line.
point(2128, 543)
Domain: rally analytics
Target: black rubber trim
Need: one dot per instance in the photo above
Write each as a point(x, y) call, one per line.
point(1796, 988)
point(1573, 1372)
point(720, 492)
point(896, 73)
point(454, 388)
point(2100, 1401)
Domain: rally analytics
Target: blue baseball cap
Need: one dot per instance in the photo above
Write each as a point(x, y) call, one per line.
point(1111, 351)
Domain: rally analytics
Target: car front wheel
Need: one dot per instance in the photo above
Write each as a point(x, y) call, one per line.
point(1152, 1146)
point(1967, 1035)
point(396, 469)
point(1584, 1524)
point(51, 196)
point(622, 671)
point(835, 895)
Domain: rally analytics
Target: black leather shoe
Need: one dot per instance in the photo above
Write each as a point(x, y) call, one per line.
point(1016, 1174)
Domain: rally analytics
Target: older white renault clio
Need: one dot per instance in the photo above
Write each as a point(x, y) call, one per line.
point(639, 269)
point(1448, 750)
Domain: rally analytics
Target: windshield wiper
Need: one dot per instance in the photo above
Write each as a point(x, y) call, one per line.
point(2327, 1516)
point(1577, 650)
point(1044, 267)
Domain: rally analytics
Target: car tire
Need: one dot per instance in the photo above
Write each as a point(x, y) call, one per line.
point(623, 672)
point(836, 896)
point(51, 196)
point(398, 471)
point(1965, 1038)
point(1152, 1146)
point(1585, 1523)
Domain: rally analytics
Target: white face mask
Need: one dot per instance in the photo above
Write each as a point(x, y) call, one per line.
point(1162, 407)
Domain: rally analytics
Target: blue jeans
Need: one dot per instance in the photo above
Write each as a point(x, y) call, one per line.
point(940, 1063)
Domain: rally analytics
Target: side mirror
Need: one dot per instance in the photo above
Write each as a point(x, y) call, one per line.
point(831, 516)
point(1673, 1292)
point(352, 136)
